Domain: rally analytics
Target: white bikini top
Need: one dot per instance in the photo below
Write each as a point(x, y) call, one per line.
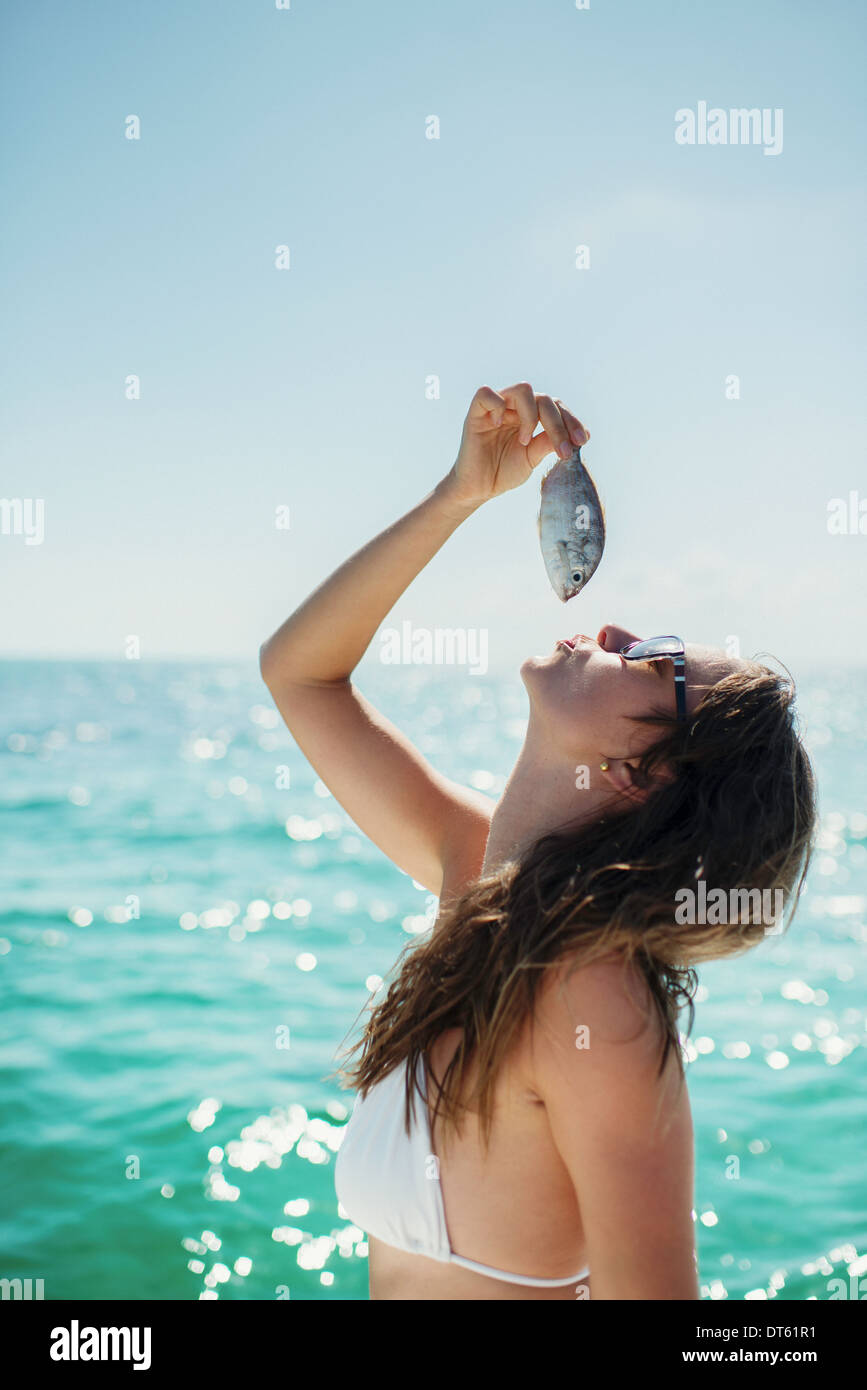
point(388, 1184)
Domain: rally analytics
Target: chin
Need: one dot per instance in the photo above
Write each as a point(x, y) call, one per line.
point(536, 672)
point(530, 665)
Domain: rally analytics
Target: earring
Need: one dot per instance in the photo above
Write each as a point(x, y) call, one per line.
point(604, 767)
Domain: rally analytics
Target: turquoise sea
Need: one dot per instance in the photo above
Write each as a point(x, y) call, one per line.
point(186, 941)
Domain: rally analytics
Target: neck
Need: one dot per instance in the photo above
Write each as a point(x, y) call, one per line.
point(541, 795)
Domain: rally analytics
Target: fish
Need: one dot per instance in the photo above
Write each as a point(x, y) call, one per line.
point(571, 526)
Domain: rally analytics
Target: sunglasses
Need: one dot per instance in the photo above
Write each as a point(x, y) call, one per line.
point(658, 649)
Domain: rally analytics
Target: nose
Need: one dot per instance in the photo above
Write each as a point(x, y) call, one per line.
point(611, 637)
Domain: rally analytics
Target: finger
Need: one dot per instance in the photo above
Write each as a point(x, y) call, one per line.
point(512, 419)
point(539, 447)
point(555, 427)
point(578, 434)
point(486, 401)
point(522, 398)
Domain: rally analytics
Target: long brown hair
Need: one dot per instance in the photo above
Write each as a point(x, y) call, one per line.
point(738, 809)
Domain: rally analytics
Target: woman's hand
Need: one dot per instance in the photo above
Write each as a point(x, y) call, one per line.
point(498, 448)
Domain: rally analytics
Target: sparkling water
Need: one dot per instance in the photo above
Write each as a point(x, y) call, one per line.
point(191, 927)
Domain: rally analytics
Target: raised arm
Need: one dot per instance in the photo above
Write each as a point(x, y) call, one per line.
point(419, 818)
point(385, 784)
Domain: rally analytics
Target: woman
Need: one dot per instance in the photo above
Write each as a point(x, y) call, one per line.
point(541, 1013)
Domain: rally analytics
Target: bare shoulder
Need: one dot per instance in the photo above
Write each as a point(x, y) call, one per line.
point(610, 994)
point(621, 1123)
point(597, 1035)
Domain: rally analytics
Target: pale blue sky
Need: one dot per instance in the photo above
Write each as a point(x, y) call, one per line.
point(410, 257)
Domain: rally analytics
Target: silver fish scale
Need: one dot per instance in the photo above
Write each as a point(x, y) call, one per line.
point(571, 526)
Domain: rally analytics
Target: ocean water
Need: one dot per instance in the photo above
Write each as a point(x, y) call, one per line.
point(186, 941)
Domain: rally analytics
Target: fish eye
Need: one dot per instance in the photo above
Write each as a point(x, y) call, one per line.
point(576, 578)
